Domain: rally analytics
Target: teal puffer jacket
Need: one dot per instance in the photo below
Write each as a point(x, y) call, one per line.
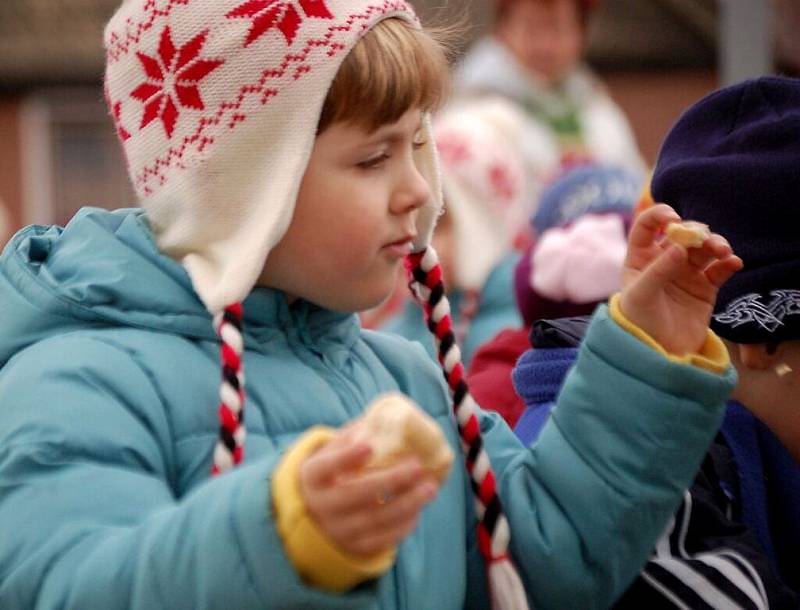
point(108, 419)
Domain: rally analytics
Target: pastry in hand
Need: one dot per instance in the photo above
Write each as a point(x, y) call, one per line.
point(395, 427)
point(689, 234)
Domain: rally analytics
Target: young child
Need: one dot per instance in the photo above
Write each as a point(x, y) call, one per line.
point(476, 238)
point(282, 157)
point(729, 162)
point(574, 263)
point(533, 59)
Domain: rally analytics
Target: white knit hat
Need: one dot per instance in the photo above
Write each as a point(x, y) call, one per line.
point(484, 184)
point(217, 105)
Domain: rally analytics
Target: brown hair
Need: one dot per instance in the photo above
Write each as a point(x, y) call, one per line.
point(393, 69)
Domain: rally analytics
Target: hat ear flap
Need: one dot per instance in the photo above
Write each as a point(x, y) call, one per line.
point(426, 159)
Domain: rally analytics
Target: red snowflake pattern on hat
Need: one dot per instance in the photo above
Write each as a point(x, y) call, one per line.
point(172, 78)
point(282, 14)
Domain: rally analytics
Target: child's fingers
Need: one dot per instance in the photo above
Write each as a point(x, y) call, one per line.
point(381, 540)
point(715, 247)
point(366, 489)
point(720, 271)
point(402, 506)
point(667, 267)
point(649, 224)
point(382, 522)
point(339, 456)
point(383, 514)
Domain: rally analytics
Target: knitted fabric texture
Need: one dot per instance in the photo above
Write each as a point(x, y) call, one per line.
point(731, 161)
point(216, 104)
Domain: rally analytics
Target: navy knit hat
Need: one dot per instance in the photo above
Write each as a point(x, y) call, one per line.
point(732, 161)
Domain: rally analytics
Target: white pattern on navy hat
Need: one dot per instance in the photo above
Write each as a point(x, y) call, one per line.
point(770, 316)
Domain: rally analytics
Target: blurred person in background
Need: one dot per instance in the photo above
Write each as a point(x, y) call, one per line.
point(574, 263)
point(478, 236)
point(533, 58)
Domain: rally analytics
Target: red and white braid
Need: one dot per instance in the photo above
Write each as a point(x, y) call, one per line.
point(229, 450)
point(505, 585)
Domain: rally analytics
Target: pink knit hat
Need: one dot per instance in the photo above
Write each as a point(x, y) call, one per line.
point(216, 103)
point(579, 244)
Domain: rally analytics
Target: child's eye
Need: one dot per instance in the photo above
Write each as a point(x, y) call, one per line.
point(419, 144)
point(374, 162)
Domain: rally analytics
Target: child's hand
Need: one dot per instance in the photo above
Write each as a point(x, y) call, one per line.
point(668, 291)
point(363, 511)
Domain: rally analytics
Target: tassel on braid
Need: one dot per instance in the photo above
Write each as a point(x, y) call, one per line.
point(505, 585)
point(229, 450)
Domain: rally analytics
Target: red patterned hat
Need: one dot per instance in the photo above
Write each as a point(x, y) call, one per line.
point(216, 104)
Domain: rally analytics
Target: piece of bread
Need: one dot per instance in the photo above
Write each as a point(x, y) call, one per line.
point(689, 234)
point(783, 369)
point(395, 427)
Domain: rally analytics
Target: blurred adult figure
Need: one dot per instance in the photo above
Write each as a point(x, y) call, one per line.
point(533, 57)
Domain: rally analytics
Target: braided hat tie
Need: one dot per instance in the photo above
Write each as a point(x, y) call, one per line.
point(229, 450)
point(494, 536)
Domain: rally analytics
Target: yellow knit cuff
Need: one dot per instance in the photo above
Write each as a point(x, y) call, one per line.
point(713, 355)
point(317, 559)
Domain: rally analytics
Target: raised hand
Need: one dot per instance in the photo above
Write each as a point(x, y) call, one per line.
point(669, 291)
point(363, 511)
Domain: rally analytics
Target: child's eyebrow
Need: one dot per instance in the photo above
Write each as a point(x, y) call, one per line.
point(391, 135)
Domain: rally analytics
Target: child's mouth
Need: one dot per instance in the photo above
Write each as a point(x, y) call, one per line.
point(401, 247)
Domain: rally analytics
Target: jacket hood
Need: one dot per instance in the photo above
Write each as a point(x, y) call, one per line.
point(102, 269)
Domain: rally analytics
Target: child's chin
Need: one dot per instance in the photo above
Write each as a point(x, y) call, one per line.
point(373, 301)
point(357, 302)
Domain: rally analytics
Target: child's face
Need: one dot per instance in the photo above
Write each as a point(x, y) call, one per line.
point(769, 382)
point(354, 219)
point(546, 36)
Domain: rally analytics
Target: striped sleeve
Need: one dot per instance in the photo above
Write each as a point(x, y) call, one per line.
point(706, 559)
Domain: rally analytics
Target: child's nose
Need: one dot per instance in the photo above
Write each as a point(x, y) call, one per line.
point(412, 192)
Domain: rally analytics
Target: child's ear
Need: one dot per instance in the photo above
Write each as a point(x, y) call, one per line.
point(757, 356)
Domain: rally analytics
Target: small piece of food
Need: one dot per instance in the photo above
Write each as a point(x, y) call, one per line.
point(689, 234)
point(783, 369)
point(395, 427)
